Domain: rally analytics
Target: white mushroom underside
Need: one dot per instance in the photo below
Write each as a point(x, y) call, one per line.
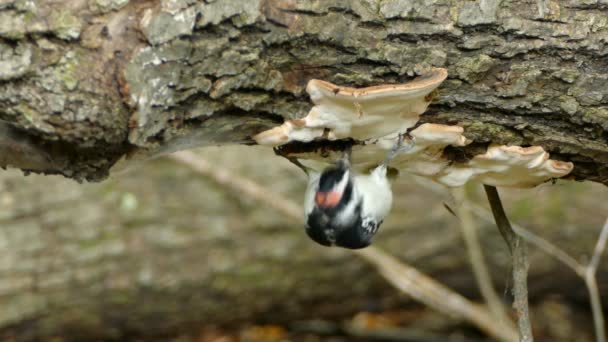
point(376, 115)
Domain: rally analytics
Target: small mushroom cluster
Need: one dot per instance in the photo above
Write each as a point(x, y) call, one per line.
point(374, 116)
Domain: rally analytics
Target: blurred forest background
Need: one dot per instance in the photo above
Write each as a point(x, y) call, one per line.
point(161, 252)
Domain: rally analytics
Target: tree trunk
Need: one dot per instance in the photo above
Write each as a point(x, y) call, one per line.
point(86, 83)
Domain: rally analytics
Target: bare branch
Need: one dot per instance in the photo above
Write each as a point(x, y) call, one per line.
point(534, 239)
point(587, 273)
point(435, 295)
point(519, 254)
point(527, 235)
point(596, 307)
point(591, 282)
point(599, 248)
point(239, 184)
point(477, 259)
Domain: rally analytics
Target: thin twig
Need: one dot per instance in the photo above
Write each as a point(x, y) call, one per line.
point(591, 282)
point(587, 273)
point(596, 307)
point(534, 239)
point(406, 278)
point(477, 259)
point(526, 234)
point(599, 248)
point(435, 295)
point(239, 184)
point(583, 271)
point(519, 254)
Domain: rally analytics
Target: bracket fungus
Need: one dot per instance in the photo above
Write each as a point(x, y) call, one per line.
point(508, 166)
point(360, 114)
point(373, 117)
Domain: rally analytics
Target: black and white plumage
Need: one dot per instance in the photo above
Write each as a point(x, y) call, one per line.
point(344, 208)
point(359, 205)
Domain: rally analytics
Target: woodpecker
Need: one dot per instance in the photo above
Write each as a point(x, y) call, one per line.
point(343, 208)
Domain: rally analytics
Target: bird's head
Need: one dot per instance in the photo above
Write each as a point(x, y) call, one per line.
point(335, 187)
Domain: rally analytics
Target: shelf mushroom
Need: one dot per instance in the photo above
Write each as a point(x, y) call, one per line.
point(507, 166)
point(360, 114)
point(374, 116)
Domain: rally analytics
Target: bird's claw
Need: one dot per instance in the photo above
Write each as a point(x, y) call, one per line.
point(346, 156)
point(405, 142)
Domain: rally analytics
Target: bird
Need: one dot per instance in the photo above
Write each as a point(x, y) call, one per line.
point(345, 208)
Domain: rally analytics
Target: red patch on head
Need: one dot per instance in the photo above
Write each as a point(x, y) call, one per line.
point(328, 199)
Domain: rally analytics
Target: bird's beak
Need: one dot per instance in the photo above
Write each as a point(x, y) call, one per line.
point(328, 199)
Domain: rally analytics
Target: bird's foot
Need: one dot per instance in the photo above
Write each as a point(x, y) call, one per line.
point(405, 142)
point(346, 156)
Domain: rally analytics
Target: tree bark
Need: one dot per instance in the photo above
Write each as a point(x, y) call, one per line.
point(86, 83)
